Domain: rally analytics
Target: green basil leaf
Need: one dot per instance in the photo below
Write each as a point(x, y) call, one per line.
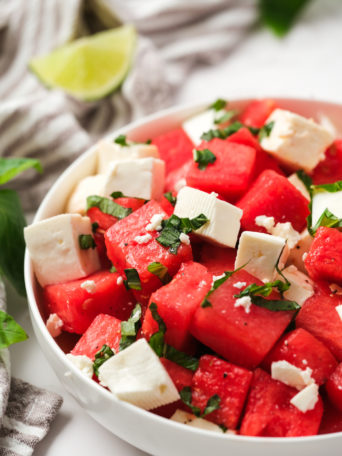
point(327, 219)
point(223, 427)
point(148, 141)
point(274, 305)
point(94, 227)
point(181, 358)
point(265, 131)
point(305, 178)
point(11, 167)
point(116, 195)
point(112, 269)
point(101, 357)
point(108, 206)
point(10, 331)
point(132, 281)
point(157, 340)
point(130, 328)
point(172, 199)
point(225, 117)
point(12, 223)
point(264, 290)
point(212, 405)
point(219, 104)
point(203, 158)
point(121, 139)
point(86, 241)
point(161, 271)
point(222, 133)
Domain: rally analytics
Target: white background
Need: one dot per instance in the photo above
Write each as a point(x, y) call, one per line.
point(307, 63)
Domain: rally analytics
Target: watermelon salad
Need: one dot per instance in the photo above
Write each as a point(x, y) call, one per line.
point(200, 272)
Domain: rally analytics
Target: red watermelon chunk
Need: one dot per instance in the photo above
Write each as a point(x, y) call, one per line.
point(240, 337)
point(217, 259)
point(303, 350)
point(332, 419)
point(330, 169)
point(269, 412)
point(124, 251)
point(231, 172)
point(256, 113)
point(176, 304)
point(177, 178)
point(166, 205)
point(319, 316)
point(174, 147)
point(180, 376)
point(324, 259)
point(104, 330)
point(274, 196)
point(77, 306)
point(334, 387)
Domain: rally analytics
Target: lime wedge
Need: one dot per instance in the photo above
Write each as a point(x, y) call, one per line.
point(89, 68)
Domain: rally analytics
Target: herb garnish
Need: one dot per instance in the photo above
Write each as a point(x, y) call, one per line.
point(174, 226)
point(218, 105)
point(112, 269)
point(172, 199)
point(132, 281)
point(161, 271)
point(108, 206)
point(101, 357)
point(212, 404)
point(10, 331)
point(86, 241)
point(121, 139)
point(265, 131)
point(203, 158)
point(222, 133)
point(94, 227)
point(225, 117)
point(116, 195)
point(130, 328)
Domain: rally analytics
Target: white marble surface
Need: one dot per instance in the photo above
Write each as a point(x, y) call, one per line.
point(307, 63)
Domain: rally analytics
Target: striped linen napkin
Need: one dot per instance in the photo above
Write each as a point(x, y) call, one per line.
point(174, 37)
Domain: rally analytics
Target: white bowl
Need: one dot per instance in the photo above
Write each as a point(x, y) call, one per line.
point(149, 432)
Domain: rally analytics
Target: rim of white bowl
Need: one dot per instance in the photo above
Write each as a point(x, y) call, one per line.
point(107, 395)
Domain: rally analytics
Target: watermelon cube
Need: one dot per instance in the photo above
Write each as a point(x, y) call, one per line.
point(269, 412)
point(319, 316)
point(334, 387)
point(324, 260)
point(231, 172)
point(176, 179)
point(303, 350)
point(104, 330)
point(332, 419)
point(240, 337)
point(125, 252)
point(176, 304)
point(174, 147)
point(256, 113)
point(274, 196)
point(217, 259)
point(180, 376)
point(78, 302)
point(329, 170)
point(231, 383)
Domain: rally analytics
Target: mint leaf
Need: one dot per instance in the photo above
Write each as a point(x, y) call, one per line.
point(86, 241)
point(130, 328)
point(172, 199)
point(265, 131)
point(94, 227)
point(305, 178)
point(222, 133)
point(115, 195)
point(10, 331)
point(121, 139)
point(203, 158)
point(218, 105)
point(327, 219)
point(108, 206)
point(181, 358)
point(161, 271)
point(11, 167)
point(225, 117)
point(132, 281)
point(12, 223)
point(275, 305)
point(212, 404)
point(101, 357)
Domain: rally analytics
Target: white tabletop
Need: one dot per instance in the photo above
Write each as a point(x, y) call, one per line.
point(307, 63)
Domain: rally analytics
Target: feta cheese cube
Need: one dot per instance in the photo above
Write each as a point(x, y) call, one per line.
point(140, 178)
point(136, 375)
point(326, 200)
point(306, 399)
point(291, 375)
point(199, 124)
point(260, 253)
point(83, 363)
point(54, 325)
point(191, 420)
point(301, 248)
point(296, 182)
point(301, 287)
point(91, 185)
point(224, 218)
point(110, 151)
point(295, 140)
point(55, 251)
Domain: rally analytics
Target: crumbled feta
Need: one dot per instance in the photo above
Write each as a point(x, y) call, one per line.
point(283, 230)
point(184, 238)
point(89, 286)
point(191, 420)
point(144, 239)
point(214, 194)
point(291, 375)
point(54, 325)
point(306, 399)
point(339, 310)
point(119, 280)
point(266, 222)
point(155, 223)
point(83, 363)
point(244, 302)
point(301, 287)
point(239, 284)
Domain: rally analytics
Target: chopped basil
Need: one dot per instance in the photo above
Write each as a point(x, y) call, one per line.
point(263, 290)
point(148, 141)
point(274, 305)
point(222, 133)
point(12, 166)
point(203, 158)
point(101, 357)
point(108, 206)
point(115, 195)
point(254, 130)
point(223, 427)
point(225, 117)
point(10, 331)
point(160, 271)
point(218, 105)
point(212, 404)
point(86, 241)
point(121, 139)
point(130, 328)
point(327, 219)
point(305, 178)
point(132, 281)
point(181, 358)
point(331, 188)
point(172, 199)
point(94, 227)
point(112, 269)
point(265, 131)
